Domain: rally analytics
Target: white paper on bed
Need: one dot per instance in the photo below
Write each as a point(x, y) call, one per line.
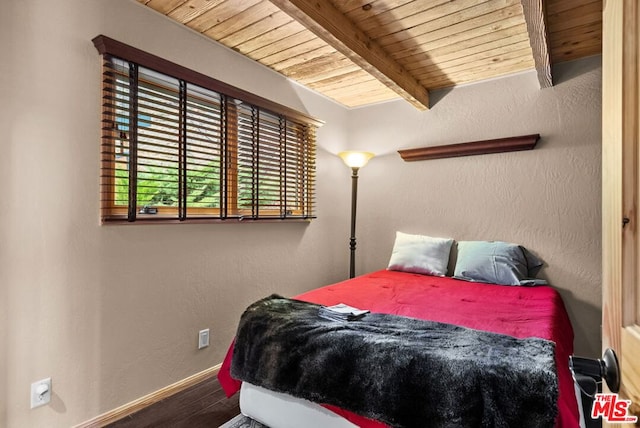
point(277, 410)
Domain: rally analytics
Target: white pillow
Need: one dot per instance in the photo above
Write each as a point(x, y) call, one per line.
point(420, 254)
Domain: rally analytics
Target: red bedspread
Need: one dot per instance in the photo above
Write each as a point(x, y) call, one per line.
point(516, 311)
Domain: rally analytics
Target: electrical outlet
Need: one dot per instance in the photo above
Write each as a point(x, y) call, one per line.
point(203, 338)
point(40, 392)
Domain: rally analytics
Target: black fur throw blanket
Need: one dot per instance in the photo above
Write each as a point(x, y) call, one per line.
point(402, 371)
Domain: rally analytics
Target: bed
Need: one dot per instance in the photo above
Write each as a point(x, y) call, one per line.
point(525, 313)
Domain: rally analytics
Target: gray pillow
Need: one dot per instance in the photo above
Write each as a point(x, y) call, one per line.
point(420, 254)
point(497, 262)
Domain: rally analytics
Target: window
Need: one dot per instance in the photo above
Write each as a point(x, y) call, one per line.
point(178, 145)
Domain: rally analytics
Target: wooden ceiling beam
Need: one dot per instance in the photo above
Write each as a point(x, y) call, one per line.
point(536, 19)
point(324, 20)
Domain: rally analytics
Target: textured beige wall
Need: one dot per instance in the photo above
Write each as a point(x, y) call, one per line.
point(112, 313)
point(547, 199)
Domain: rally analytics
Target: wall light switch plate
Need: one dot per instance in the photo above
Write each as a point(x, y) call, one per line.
point(40, 392)
point(203, 338)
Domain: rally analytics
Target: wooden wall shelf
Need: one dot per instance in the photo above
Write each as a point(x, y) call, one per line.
point(500, 145)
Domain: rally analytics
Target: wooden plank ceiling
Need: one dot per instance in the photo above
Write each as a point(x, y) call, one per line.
point(359, 52)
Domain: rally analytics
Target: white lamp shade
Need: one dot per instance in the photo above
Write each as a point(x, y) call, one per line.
point(355, 159)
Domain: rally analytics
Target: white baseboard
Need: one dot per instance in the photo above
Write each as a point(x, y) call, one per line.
point(146, 401)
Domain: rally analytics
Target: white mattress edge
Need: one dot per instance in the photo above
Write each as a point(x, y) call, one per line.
point(278, 410)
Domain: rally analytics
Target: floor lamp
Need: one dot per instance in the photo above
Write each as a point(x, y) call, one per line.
point(355, 161)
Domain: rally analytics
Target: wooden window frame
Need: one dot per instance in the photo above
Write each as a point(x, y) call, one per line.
point(230, 98)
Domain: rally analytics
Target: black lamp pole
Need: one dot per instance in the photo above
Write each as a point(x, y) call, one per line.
point(352, 241)
point(354, 160)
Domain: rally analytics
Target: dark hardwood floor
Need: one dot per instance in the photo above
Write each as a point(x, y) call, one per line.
point(202, 405)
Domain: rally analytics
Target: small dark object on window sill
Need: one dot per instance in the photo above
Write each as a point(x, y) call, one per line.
point(148, 210)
